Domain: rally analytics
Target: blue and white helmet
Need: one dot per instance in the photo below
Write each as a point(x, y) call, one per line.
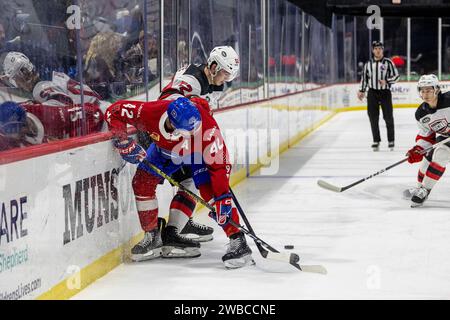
point(184, 116)
point(13, 118)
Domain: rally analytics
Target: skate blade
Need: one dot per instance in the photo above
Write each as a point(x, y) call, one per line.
point(177, 252)
point(239, 263)
point(416, 205)
point(153, 254)
point(198, 238)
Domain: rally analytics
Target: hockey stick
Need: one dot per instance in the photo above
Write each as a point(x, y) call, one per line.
point(293, 258)
point(268, 255)
point(334, 188)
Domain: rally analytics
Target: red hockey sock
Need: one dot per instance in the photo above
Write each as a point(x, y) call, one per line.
point(144, 186)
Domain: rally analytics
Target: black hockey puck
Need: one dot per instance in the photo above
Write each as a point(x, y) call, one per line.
point(289, 247)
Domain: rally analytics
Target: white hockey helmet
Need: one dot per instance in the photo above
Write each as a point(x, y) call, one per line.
point(428, 80)
point(226, 59)
point(16, 63)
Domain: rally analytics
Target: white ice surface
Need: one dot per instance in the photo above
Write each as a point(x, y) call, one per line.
point(370, 240)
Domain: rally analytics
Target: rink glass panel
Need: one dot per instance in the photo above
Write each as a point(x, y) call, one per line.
point(251, 51)
point(445, 51)
point(424, 42)
point(395, 43)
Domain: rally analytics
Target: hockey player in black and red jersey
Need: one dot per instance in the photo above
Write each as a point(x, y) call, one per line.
point(204, 80)
point(55, 104)
point(196, 80)
point(433, 119)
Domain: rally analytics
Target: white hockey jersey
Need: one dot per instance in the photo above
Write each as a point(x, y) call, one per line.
point(433, 121)
point(63, 91)
point(192, 81)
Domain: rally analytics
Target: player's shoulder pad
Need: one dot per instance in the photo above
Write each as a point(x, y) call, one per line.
point(197, 72)
point(422, 111)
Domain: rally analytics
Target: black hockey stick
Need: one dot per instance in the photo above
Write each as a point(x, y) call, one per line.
point(293, 257)
point(268, 255)
point(334, 188)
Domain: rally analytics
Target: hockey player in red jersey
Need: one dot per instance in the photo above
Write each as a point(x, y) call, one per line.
point(205, 81)
point(57, 103)
point(433, 119)
point(183, 134)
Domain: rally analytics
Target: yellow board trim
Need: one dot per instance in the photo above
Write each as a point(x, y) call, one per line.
point(111, 260)
point(90, 273)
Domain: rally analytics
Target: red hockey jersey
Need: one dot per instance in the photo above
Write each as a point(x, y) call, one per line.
point(151, 116)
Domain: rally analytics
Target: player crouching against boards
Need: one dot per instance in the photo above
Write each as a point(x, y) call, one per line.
point(185, 134)
point(433, 118)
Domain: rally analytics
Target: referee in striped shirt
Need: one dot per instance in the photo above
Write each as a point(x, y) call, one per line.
point(378, 75)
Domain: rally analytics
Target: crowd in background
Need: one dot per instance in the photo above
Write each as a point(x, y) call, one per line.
point(291, 51)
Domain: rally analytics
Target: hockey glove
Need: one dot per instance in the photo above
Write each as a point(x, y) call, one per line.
point(130, 151)
point(223, 209)
point(415, 154)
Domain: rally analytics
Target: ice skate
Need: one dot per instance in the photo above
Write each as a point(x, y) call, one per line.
point(375, 146)
point(419, 198)
point(177, 245)
point(150, 247)
point(239, 253)
point(391, 145)
point(197, 232)
point(409, 193)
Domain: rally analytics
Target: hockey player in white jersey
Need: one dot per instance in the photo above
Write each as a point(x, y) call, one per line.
point(205, 81)
point(433, 119)
point(60, 91)
point(55, 104)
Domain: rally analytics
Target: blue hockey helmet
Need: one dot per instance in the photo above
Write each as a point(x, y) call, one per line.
point(184, 116)
point(12, 118)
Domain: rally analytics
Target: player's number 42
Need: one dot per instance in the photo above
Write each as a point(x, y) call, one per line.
point(126, 112)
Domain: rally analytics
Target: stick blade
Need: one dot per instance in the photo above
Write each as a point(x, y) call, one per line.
point(328, 186)
point(314, 269)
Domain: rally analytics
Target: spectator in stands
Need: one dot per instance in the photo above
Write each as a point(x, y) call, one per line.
point(2, 36)
point(133, 59)
point(100, 62)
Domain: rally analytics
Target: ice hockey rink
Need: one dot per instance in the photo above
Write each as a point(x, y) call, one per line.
point(372, 243)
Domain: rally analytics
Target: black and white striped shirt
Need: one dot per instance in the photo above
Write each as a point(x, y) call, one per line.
point(374, 71)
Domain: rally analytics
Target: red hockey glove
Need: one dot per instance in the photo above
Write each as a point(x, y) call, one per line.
point(415, 154)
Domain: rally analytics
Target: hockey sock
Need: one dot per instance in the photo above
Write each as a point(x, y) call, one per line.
point(433, 174)
point(423, 168)
point(229, 228)
point(144, 187)
point(181, 209)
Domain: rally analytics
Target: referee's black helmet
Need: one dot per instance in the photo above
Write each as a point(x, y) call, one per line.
point(377, 43)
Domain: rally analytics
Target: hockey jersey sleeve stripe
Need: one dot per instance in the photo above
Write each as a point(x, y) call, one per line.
point(424, 144)
point(393, 72)
point(430, 139)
